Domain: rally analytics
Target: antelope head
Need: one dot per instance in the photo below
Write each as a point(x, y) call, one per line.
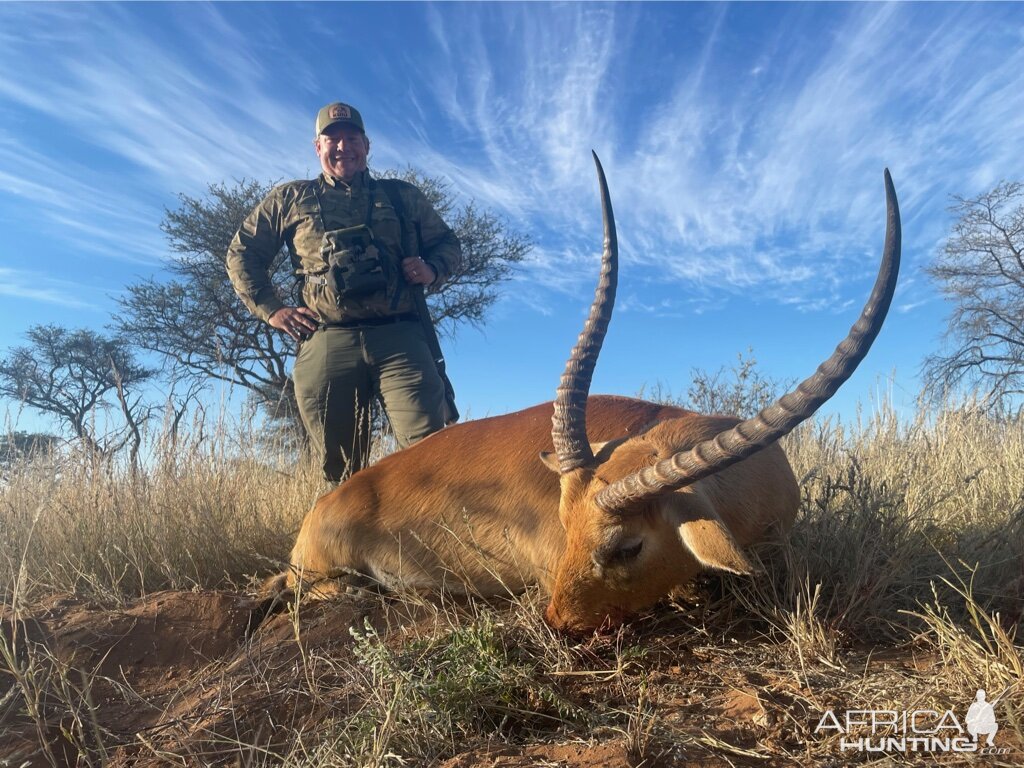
point(636, 519)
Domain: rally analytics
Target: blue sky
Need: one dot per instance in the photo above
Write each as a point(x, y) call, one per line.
point(744, 146)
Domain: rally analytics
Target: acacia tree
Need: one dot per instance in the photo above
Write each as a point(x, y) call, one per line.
point(73, 374)
point(490, 251)
point(981, 271)
point(204, 332)
point(738, 390)
point(194, 320)
point(17, 447)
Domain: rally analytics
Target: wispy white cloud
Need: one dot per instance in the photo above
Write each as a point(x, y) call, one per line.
point(738, 162)
point(80, 209)
point(119, 112)
point(35, 286)
point(525, 103)
point(910, 306)
point(770, 183)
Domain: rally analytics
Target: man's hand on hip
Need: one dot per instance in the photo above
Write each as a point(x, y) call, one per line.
point(417, 271)
point(298, 322)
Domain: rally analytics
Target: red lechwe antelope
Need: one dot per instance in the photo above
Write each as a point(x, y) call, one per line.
point(646, 494)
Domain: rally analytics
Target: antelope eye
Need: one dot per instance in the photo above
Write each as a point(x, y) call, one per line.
point(626, 553)
point(621, 554)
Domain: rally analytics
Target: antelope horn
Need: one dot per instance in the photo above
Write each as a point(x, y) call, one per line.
point(750, 436)
point(569, 423)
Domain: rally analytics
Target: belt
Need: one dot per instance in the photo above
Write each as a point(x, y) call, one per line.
point(372, 322)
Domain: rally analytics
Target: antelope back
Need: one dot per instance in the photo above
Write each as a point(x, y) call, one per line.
point(469, 507)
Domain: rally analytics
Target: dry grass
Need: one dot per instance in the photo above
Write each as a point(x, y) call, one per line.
point(209, 511)
point(899, 587)
point(891, 509)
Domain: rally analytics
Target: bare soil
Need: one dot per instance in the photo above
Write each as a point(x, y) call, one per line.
point(208, 678)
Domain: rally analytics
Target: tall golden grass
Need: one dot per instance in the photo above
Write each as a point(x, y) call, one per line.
point(210, 509)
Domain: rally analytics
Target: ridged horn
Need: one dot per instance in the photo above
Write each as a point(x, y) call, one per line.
point(750, 436)
point(569, 423)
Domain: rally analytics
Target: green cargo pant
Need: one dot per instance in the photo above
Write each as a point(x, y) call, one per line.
point(337, 373)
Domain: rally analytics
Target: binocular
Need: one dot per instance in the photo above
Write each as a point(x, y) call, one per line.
point(356, 266)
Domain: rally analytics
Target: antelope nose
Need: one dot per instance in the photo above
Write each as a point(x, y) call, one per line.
point(551, 616)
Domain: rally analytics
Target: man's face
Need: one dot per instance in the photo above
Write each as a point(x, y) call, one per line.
point(342, 149)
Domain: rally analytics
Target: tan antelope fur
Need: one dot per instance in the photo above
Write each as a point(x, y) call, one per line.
point(645, 495)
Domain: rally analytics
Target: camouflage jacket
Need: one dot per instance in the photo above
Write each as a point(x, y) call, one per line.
point(291, 215)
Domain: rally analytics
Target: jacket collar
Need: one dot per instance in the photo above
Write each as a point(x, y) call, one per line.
point(359, 181)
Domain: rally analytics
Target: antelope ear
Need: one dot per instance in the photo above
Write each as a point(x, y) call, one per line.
point(705, 534)
point(550, 460)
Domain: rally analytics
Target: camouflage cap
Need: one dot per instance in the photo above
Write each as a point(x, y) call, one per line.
point(337, 112)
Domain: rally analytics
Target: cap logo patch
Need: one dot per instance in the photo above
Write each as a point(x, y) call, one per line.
point(339, 111)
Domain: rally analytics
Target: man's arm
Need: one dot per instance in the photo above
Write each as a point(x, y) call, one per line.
point(249, 259)
point(439, 246)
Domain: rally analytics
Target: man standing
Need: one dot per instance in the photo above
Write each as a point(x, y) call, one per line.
point(362, 246)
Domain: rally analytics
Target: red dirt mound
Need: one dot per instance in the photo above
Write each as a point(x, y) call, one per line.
point(162, 671)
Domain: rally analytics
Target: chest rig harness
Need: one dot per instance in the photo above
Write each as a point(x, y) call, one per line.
point(357, 267)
